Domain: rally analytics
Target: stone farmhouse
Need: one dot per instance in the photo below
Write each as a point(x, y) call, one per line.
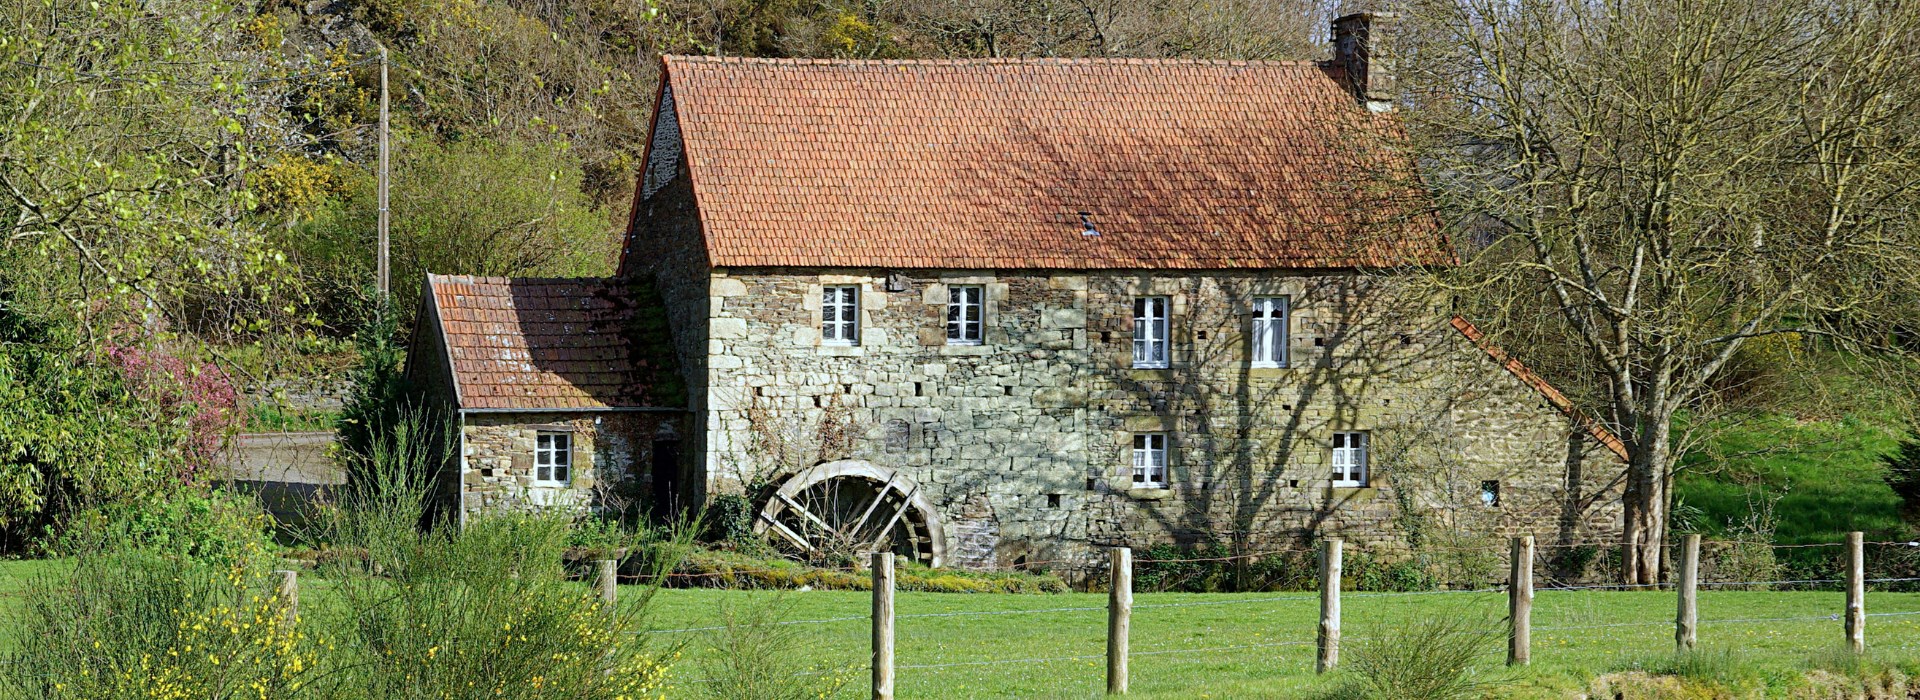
point(994, 312)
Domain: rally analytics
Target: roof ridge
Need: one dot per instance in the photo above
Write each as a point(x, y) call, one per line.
point(1001, 61)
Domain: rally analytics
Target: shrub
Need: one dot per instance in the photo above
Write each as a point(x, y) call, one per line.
point(757, 657)
point(190, 522)
point(1366, 572)
point(142, 625)
point(1903, 474)
point(483, 610)
point(80, 431)
point(486, 611)
point(1434, 657)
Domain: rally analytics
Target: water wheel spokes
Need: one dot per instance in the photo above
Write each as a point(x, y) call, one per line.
point(843, 511)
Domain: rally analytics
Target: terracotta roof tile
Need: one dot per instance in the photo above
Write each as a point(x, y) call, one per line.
point(524, 343)
point(987, 164)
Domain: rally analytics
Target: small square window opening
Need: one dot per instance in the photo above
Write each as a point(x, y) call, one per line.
point(966, 309)
point(1269, 332)
point(1150, 460)
point(553, 458)
point(1350, 460)
point(1490, 494)
point(1150, 332)
point(840, 315)
point(1053, 500)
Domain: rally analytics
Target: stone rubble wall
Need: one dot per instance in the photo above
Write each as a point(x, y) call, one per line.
point(1024, 442)
point(611, 455)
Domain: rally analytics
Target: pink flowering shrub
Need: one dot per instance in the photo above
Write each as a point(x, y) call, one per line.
point(197, 397)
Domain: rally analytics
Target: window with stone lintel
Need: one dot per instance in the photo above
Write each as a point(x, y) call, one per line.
point(840, 314)
point(552, 458)
point(1150, 460)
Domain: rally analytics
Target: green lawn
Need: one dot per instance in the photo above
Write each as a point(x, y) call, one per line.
point(1260, 645)
point(1228, 645)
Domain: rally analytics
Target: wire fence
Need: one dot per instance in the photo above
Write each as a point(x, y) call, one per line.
point(1802, 604)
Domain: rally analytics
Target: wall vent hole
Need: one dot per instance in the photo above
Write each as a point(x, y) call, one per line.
point(1053, 500)
point(1293, 483)
point(919, 389)
point(1091, 483)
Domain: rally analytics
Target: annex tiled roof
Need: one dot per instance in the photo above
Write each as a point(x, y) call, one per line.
point(1558, 400)
point(524, 343)
point(988, 164)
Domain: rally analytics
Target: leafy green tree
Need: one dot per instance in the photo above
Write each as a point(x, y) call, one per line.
point(475, 207)
point(127, 130)
point(78, 432)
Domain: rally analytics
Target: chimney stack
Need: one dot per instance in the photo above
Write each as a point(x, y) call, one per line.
point(1361, 46)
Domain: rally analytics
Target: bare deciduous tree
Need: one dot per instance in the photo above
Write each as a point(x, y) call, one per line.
point(1657, 184)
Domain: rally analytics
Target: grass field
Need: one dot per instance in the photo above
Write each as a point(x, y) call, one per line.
point(961, 646)
point(1260, 645)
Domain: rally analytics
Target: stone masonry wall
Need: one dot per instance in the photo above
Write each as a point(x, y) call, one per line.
point(1024, 442)
point(611, 453)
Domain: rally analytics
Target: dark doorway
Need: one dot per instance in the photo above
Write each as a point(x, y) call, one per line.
point(666, 481)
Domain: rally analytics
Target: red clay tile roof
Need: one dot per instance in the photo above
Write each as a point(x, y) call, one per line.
point(524, 343)
point(1559, 401)
point(987, 164)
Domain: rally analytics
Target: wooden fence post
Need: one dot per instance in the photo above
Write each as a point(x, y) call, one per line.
point(1686, 620)
point(883, 625)
point(1119, 614)
point(609, 581)
point(1329, 606)
point(289, 594)
point(1856, 593)
point(1520, 602)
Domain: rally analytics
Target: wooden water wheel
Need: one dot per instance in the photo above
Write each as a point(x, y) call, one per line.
point(844, 510)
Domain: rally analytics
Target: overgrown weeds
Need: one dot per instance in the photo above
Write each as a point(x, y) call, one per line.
point(1434, 657)
point(483, 610)
point(1716, 667)
point(755, 656)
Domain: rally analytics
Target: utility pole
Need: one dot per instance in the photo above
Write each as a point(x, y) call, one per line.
point(382, 265)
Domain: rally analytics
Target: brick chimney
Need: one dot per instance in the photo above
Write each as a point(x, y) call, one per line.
point(1361, 46)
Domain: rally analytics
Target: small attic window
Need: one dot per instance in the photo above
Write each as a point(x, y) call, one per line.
point(1086, 224)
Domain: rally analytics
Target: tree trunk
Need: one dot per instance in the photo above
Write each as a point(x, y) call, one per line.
point(1644, 529)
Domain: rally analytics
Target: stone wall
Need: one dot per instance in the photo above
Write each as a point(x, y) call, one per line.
point(1024, 441)
point(612, 452)
point(665, 244)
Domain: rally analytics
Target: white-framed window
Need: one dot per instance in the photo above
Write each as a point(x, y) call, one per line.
point(1150, 460)
point(966, 309)
point(1350, 459)
point(1150, 332)
point(553, 457)
point(840, 314)
point(1269, 331)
